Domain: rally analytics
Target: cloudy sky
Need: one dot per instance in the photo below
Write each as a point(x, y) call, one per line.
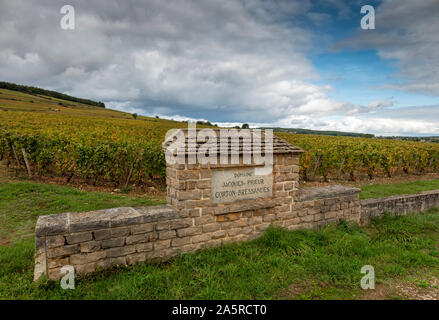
point(289, 63)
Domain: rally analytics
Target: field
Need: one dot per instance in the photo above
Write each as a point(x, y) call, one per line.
point(305, 264)
point(69, 139)
point(90, 142)
point(350, 158)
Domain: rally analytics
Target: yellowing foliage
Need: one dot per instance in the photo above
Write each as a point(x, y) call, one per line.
point(90, 147)
point(93, 143)
point(330, 156)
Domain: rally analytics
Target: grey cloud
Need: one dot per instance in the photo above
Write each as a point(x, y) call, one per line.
point(420, 113)
point(234, 61)
point(406, 32)
point(207, 58)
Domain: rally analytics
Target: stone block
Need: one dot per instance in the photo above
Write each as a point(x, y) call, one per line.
point(90, 246)
point(164, 235)
point(201, 238)
point(205, 174)
point(219, 234)
point(178, 242)
point(211, 243)
point(78, 237)
point(118, 261)
point(55, 241)
point(228, 217)
point(83, 258)
point(330, 215)
point(262, 227)
point(269, 218)
point(188, 174)
point(211, 227)
point(162, 244)
point(112, 243)
point(203, 184)
point(85, 268)
point(190, 248)
point(189, 231)
point(142, 228)
point(144, 247)
point(135, 258)
point(157, 213)
point(99, 219)
point(102, 234)
point(160, 226)
point(120, 232)
point(63, 251)
point(138, 238)
point(180, 223)
point(52, 225)
point(120, 251)
point(189, 195)
point(203, 220)
point(57, 262)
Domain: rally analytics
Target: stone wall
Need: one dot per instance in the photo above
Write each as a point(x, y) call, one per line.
point(403, 204)
point(320, 206)
point(99, 239)
point(95, 240)
point(90, 241)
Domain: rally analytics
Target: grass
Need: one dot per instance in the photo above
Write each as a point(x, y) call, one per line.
point(304, 264)
point(386, 190)
point(22, 202)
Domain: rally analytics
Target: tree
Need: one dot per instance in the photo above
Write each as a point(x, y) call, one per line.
point(245, 126)
point(135, 115)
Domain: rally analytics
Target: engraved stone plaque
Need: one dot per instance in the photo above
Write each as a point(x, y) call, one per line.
point(231, 185)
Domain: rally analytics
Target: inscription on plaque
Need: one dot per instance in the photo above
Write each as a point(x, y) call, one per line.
point(240, 184)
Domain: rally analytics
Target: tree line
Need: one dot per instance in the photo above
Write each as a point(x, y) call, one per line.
point(49, 93)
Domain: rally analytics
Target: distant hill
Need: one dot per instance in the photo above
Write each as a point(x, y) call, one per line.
point(48, 93)
point(419, 139)
point(354, 134)
point(321, 132)
point(19, 101)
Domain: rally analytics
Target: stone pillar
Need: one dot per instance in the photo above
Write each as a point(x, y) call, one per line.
point(196, 191)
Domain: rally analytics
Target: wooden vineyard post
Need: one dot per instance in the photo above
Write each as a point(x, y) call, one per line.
point(26, 161)
point(15, 155)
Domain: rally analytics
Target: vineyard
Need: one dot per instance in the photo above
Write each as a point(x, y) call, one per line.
point(69, 139)
point(352, 158)
point(98, 144)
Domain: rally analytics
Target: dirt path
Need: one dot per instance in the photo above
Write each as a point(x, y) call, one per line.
point(409, 288)
point(414, 289)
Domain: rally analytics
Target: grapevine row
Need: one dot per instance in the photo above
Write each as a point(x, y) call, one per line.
point(129, 151)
